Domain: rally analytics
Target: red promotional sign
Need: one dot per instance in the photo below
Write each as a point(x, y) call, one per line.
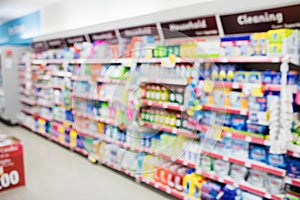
point(11, 166)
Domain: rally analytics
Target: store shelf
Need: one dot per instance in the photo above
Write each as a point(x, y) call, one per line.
point(226, 132)
point(292, 181)
point(164, 81)
point(44, 77)
point(28, 101)
point(294, 150)
point(23, 92)
point(43, 117)
point(243, 186)
point(108, 80)
point(49, 105)
point(90, 97)
point(61, 73)
point(57, 87)
point(42, 86)
point(236, 135)
point(253, 59)
point(165, 105)
point(26, 126)
point(185, 133)
point(27, 111)
point(226, 109)
point(152, 183)
point(80, 78)
point(96, 118)
point(248, 163)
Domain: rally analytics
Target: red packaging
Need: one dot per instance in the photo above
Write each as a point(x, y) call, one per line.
point(11, 164)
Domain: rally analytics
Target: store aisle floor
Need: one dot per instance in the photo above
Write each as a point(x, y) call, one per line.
point(53, 172)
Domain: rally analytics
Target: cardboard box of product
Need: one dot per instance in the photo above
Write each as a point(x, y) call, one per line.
point(11, 163)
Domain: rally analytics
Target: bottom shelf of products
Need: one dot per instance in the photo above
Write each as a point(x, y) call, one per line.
point(174, 175)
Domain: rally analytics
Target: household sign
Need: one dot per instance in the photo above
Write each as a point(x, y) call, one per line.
point(195, 27)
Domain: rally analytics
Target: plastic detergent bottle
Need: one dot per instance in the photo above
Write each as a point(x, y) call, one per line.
point(187, 181)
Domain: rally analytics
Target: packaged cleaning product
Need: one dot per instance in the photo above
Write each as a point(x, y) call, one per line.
point(240, 148)
point(276, 160)
point(238, 172)
point(231, 193)
point(238, 122)
point(222, 119)
point(187, 182)
point(221, 167)
point(257, 177)
point(293, 167)
point(274, 184)
point(257, 152)
point(206, 163)
point(257, 103)
point(211, 191)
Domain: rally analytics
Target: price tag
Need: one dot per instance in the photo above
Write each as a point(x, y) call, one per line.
point(168, 190)
point(235, 85)
point(165, 105)
point(221, 180)
point(225, 158)
point(288, 181)
point(248, 139)
point(185, 163)
point(228, 134)
point(156, 185)
point(243, 112)
point(268, 196)
point(236, 185)
point(247, 164)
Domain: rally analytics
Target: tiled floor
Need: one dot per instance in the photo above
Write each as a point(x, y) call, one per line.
point(55, 173)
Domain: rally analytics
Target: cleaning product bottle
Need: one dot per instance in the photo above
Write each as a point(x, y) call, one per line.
point(187, 181)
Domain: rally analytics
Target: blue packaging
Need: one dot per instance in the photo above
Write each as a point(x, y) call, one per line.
point(208, 118)
point(269, 77)
point(276, 160)
point(238, 122)
point(222, 119)
point(257, 103)
point(240, 77)
point(258, 152)
point(253, 128)
point(292, 78)
point(293, 167)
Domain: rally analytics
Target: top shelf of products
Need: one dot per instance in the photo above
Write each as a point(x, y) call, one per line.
point(254, 59)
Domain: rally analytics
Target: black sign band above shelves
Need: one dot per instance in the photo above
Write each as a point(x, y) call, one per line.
point(39, 46)
point(56, 43)
point(195, 27)
point(75, 39)
point(108, 36)
point(144, 30)
point(262, 20)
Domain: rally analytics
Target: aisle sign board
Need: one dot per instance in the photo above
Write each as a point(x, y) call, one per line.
point(75, 39)
point(144, 30)
point(56, 43)
point(262, 20)
point(20, 30)
point(195, 27)
point(108, 36)
point(41, 45)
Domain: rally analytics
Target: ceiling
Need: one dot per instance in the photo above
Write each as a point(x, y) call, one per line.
point(11, 9)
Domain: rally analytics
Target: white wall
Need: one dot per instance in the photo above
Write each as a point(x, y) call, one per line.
point(71, 17)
